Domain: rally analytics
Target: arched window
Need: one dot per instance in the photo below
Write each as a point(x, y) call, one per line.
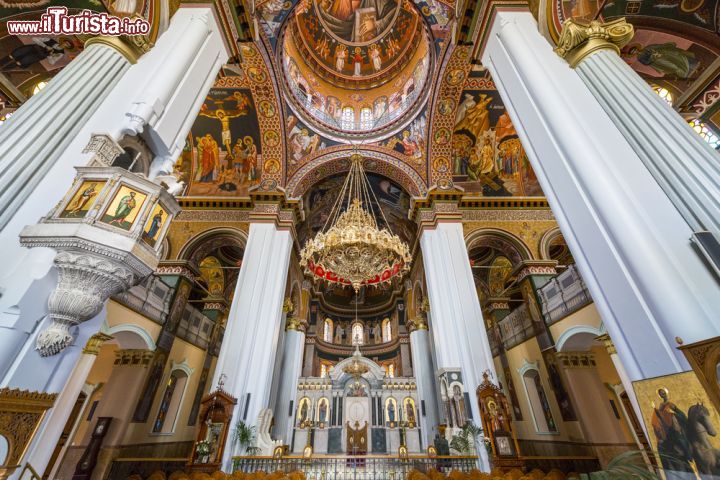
point(704, 131)
point(323, 370)
point(170, 402)
point(386, 330)
point(366, 118)
point(539, 404)
point(390, 369)
point(328, 330)
point(348, 118)
point(664, 93)
point(358, 334)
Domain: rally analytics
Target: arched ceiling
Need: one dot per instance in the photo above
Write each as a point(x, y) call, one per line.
point(459, 132)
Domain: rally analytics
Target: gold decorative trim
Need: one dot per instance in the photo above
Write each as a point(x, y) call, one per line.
point(607, 343)
point(418, 323)
point(578, 40)
point(94, 343)
point(132, 47)
point(294, 323)
point(133, 357)
point(21, 412)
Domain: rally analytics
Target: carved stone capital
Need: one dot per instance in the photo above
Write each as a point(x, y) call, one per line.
point(133, 358)
point(288, 306)
point(85, 281)
point(535, 267)
point(106, 149)
point(418, 323)
point(578, 39)
point(21, 412)
point(608, 344)
point(92, 347)
point(294, 323)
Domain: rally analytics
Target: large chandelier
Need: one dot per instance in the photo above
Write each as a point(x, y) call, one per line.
point(354, 251)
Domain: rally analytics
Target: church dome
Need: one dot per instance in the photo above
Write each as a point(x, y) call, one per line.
point(356, 68)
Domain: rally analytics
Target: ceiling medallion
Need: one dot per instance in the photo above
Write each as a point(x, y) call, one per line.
point(354, 251)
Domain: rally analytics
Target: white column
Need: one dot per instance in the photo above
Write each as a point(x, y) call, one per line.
point(253, 327)
point(56, 419)
point(426, 384)
point(36, 135)
point(683, 164)
point(456, 318)
point(288, 382)
point(629, 240)
point(27, 276)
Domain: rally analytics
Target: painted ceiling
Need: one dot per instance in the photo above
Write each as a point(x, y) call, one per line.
point(291, 107)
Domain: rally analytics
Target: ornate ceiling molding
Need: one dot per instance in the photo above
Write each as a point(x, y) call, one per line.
point(335, 160)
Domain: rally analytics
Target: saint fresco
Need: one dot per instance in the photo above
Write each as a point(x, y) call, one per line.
point(488, 156)
point(670, 60)
point(357, 22)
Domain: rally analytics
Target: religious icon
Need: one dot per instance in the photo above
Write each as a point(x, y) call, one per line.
point(124, 208)
point(375, 57)
point(267, 108)
point(303, 410)
point(358, 21)
point(410, 411)
point(454, 77)
point(80, 203)
point(256, 75)
point(390, 411)
point(272, 166)
point(323, 410)
point(154, 224)
point(340, 56)
point(224, 118)
point(271, 138)
point(446, 106)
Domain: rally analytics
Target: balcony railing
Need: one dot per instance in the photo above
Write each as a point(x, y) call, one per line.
point(563, 295)
point(150, 298)
point(354, 468)
point(517, 327)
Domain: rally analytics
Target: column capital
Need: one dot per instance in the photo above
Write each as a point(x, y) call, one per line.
point(579, 39)
point(439, 205)
point(181, 268)
point(133, 357)
point(576, 359)
point(132, 47)
point(497, 303)
point(535, 267)
point(296, 324)
point(417, 323)
point(92, 347)
point(607, 343)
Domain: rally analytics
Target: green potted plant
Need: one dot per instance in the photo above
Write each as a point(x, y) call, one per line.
point(244, 437)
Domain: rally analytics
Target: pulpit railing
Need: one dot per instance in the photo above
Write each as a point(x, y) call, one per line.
point(355, 468)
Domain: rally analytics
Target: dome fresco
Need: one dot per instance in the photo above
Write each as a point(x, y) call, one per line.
point(354, 67)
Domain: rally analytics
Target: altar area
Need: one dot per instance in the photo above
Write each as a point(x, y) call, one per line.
point(356, 409)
